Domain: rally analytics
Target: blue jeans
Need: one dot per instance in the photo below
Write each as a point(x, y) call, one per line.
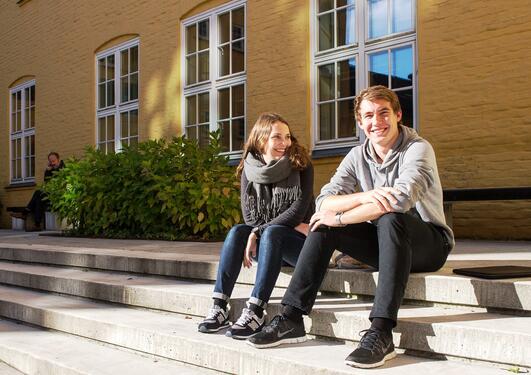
point(278, 243)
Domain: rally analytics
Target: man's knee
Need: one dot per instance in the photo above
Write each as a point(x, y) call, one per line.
point(391, 220)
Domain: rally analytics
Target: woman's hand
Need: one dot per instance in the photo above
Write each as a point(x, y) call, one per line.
point(250, 251)
point(325, 217)
point(303, 228)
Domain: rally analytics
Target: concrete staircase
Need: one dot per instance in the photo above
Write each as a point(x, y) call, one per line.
point(130, 307)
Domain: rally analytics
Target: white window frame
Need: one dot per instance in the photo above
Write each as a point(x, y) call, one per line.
point(359, 50)
point(118, 107)
point(21, 134)
point(215, 82)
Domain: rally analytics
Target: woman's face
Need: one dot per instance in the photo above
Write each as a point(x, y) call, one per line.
point(278, 142)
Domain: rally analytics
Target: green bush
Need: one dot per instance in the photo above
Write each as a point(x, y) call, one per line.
point(157, 189)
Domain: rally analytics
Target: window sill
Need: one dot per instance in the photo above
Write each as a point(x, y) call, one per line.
point(21, 186)
point(331, 152)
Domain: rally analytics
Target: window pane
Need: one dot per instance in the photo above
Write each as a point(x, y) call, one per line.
point(238, 100)
point(133, 64)
point(110, 128)
point(346, 26)
point(402, 68)
point(204, 137)
point(191, 35)
point(347, 77)
point(346, 123)
point(26, 93)
point(110, 67)
point(204, 34)
point(224, 103)
point(125, 88)
point(326, 31)
point(101, 95)
point(110, 93)
point(379, 69)
point(133, 141)
point(124, 124)
point(203, 66)
point(13, 102)
point(191, 110)
point(19, 121)
point(191, 132)
point(238, 134)
point(238, 56)
point(224, 59)
point(101, 70)
point(238, 24)
point(102, 134)
point(13, 122)
point(341, 3)
point(325, 5)
point(204, 108)
point(191, 69)
point(32, 95)
point(326, 82)
point(27, 113)
point(110, 148)
point(402, 15)
point(133, 123)
point(327, 121)
point(377, 18)
point(32, 117)
point(124, 62)
point(406, 102)
point(224, 28)
point(19, 100)
point(133, 86)
point(225, 136)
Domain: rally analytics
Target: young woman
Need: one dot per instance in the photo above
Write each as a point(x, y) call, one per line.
point(277, 203)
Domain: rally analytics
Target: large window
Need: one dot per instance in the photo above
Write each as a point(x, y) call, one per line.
point(22, 132)
point(117, 96)
point(214, 76)
point(360, 43)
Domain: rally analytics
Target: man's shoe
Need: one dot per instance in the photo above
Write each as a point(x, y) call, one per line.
point(247, 325)
point(217, 318)
point(279, 331)
point(374, 349)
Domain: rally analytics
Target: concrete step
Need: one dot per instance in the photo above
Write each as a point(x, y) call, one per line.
point(34, 350)
point(5, 369)
point(465, 332)
point(439, 287)
point(175, 337)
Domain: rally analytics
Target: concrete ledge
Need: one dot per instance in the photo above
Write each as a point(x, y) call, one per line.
point(439, 287)
point(176, 337)
point(38, 351)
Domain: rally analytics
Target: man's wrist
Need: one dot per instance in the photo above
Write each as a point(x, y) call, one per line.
point(339, 223)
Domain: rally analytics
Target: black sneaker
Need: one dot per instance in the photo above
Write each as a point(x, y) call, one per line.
point(279, 331)
point(247, 325)
point(217, 318)
point(374, 349)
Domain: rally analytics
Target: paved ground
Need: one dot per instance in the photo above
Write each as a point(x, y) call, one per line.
point(466, 252)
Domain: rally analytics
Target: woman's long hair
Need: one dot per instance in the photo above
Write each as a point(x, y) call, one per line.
point(259, 136)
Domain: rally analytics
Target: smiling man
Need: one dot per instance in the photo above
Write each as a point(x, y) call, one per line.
point(383, 207)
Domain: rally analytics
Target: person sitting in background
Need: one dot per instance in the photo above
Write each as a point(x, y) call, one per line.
point(38, 203)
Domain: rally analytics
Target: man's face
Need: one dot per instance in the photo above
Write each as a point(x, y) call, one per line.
point(379, 122)
point(53, 161)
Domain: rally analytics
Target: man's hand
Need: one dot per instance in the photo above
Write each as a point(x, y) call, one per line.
point(250, 251)
point(325, 217)
point(303, 228)
point(382, 197)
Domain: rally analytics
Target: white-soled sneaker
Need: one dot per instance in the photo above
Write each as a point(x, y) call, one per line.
point(217, 318)
point(247, 325)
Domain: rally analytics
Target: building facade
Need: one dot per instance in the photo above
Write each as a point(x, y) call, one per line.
point(77, 73)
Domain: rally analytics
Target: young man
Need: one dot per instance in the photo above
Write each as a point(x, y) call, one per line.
point(383, 207)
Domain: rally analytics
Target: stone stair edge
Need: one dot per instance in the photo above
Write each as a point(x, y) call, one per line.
point(440, 287)
point(174, 337)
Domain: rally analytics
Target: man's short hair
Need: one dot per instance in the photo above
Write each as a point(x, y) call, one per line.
point(54, 154)
point(377, 92)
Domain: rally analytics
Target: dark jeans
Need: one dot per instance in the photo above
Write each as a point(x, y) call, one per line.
point(38, 206)
point(278, 243)
point(395, 244)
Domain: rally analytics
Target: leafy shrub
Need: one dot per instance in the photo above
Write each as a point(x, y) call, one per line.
point(157, 189)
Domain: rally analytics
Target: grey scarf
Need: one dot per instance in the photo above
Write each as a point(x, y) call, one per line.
point(272, 188)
